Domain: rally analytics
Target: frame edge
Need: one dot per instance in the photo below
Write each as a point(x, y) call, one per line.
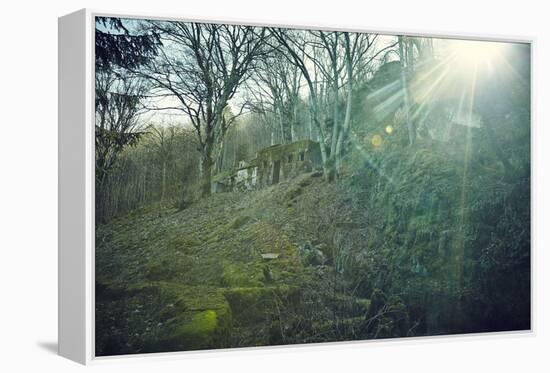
point(73, 207)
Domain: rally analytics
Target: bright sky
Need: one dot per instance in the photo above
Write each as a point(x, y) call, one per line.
point(467, 54)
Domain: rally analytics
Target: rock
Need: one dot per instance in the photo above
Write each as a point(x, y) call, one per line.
point(312, 256)
point(317, 257)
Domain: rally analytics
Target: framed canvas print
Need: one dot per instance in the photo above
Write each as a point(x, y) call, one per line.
point(227, 185)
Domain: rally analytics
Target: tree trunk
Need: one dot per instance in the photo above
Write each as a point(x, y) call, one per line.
point(310, 129)
point(220, 157)
point(206, 167)
point(323, 148)
point(347, 119)
point(320, 136)
point(163, 190)
point(285, 123)
point(406, 64)
point(410, 127)
point(335, 115)
point(293, 127)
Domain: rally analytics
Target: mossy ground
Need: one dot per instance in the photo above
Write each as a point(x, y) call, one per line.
point(193, 279)
point(401, 236)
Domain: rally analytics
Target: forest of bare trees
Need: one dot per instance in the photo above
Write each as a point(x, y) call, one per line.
point(208, 78)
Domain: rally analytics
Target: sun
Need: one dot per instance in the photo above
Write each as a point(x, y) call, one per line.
point(476, 54)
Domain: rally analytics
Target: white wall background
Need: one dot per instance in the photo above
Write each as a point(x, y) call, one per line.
point(28, 186)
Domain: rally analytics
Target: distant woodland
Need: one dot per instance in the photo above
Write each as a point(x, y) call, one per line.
point(410, 218)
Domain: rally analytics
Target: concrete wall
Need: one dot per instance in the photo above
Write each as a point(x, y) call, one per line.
point(272, 165)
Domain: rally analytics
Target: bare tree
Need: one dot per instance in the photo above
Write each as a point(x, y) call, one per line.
point(295, 47)
point(163, 145)
point(340, 59)
point(274, 89)
point(361, 52)
point(411, 51)
point(201, 67)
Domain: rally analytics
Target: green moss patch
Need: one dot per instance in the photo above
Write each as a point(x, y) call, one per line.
point(239, 221)
point(184, 243)
point(195, 330)
point(242, 275)
point(168, 268)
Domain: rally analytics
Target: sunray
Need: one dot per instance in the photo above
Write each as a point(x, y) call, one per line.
point(443, 63)
point(459, 109)
point(467, 148)
point(390, 104)
point(427, 94)
point(388, 88)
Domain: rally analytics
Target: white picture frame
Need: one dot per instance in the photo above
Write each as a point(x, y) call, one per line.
point(76, 174)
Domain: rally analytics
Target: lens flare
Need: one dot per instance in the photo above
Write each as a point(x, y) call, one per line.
point(475, 54)
point(376, 140)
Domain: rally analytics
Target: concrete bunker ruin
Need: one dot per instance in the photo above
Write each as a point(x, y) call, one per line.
point(271, 166)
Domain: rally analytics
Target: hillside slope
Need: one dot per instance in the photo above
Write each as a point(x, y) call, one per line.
point(412, 241)
point(193, 279)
